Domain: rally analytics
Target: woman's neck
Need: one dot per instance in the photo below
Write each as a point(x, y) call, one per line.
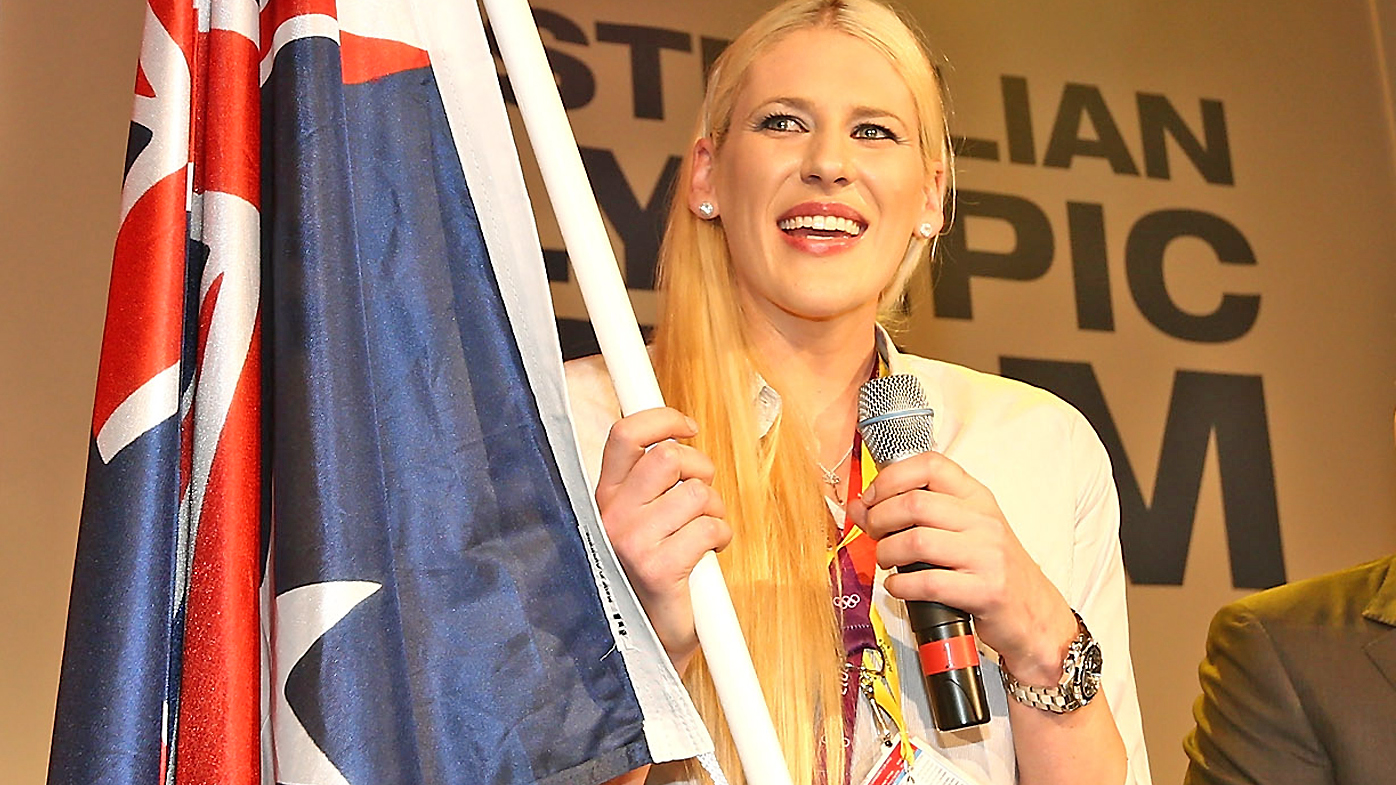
point(819, 367)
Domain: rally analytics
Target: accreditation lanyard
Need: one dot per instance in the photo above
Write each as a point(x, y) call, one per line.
point(853, 566)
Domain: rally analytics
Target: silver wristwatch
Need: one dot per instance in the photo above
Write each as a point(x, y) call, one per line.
point(1080, 677)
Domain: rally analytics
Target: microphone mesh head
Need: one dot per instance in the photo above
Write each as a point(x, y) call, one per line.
point(894, 419)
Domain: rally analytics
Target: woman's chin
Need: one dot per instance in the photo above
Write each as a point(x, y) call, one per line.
point(835, 308)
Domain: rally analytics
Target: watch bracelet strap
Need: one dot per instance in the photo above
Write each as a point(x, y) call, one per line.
point(1049, 698)
point(1045, 698)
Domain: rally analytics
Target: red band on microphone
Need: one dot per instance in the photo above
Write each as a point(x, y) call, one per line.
point(950, 654)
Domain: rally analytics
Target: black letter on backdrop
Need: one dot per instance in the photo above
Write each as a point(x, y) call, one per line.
point(1082, 101)
point(574, 80)
point(1090, 267)
point(1017, 119)
point(1213, 160)
point(1017, 122)
point(645, 44)
point(971, 147)
point(1144, 252)
point(1155, 537)
point(1029, 259)
point(555, 263)
point(710, 49)
point(639, 227)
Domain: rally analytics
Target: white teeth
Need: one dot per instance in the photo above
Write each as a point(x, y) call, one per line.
point(822, 223)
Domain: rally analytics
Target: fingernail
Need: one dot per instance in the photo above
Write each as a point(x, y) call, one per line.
point(868, 495)
point(692, 424)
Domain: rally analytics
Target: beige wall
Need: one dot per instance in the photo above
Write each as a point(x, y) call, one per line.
point(1314, 195)
point(66, 73)
point(1312, 148)
point(1305, 100)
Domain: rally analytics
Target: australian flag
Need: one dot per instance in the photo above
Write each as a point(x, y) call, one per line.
point(335, 527)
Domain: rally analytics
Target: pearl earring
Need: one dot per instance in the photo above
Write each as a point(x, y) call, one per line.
point(926, 230)
point(706, 210)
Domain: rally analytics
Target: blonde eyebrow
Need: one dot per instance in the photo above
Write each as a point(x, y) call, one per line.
point(863, 112)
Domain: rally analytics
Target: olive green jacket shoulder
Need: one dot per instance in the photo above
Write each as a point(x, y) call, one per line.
point(1299, 685)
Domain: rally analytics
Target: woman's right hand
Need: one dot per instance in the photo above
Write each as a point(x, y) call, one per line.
point(661, 514)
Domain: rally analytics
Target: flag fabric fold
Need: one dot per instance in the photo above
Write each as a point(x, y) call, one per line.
point(335, 527)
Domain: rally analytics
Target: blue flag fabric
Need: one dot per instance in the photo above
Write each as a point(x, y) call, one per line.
point(330, 435)
point(405, 426)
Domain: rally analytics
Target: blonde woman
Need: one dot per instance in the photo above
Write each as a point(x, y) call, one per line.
point(814, 187)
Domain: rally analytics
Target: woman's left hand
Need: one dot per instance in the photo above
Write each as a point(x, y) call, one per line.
point(928, 509)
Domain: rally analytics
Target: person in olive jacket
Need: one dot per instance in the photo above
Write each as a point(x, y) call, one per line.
point(1299, 685)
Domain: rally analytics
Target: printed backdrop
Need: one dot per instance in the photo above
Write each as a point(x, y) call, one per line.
point(1165, 216)
point(1178, 215)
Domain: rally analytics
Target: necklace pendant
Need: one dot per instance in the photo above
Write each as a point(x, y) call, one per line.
point(832, 478)
point(835, 483)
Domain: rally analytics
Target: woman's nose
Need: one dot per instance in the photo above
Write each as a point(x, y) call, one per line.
point(827, 160)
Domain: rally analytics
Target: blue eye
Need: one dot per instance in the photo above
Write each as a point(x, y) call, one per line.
point(873, 131)
point(781, 122)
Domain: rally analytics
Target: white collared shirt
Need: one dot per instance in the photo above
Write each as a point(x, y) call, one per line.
point(1051, 477)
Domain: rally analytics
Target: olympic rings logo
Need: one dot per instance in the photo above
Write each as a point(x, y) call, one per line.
point(847, 601)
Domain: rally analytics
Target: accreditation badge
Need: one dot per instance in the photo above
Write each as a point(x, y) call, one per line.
point(923, 768)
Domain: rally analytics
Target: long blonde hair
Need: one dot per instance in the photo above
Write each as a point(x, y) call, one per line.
point(776, 567)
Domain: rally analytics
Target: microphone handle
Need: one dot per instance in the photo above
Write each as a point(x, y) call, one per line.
point(949, 661)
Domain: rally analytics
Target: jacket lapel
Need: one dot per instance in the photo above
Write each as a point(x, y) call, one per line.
point(1382, 609)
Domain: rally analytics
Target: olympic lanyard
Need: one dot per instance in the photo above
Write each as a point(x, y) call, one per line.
point(853, 563)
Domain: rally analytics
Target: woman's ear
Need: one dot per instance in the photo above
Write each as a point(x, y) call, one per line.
point(936, 186)
point(702, 190)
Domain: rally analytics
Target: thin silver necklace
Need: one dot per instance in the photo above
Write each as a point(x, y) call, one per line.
point(831, 476)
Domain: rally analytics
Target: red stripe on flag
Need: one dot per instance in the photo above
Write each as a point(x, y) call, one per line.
point(366, 59)
point(278, 12)
point(186, 428)
point(143, 87)
point(177, 17)
point(186, 452)
point(198, 129)
point(220, 723)
point(232, 118)
point(146, 298)
point(206, 316)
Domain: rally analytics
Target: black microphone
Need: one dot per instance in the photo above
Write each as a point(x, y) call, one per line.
point(895, 422)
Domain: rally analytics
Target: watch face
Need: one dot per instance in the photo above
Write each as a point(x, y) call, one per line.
point(1088, 676)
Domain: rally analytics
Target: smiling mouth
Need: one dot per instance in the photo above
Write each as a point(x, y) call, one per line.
point(820, 226)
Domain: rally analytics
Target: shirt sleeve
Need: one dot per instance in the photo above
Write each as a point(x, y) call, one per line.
point(1250, 726)
point(594, 408)
point(1097, 589)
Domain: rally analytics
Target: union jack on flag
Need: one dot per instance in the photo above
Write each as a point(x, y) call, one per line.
point(335, 527)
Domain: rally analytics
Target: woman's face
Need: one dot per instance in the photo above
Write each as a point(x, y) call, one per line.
point(820, 181)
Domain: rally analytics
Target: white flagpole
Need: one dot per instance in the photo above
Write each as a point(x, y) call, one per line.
point(618, 333)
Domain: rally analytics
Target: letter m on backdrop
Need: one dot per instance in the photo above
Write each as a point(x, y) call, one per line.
point(1206, 408)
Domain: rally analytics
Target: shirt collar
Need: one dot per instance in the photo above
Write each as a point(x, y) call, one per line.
point(766, 401)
